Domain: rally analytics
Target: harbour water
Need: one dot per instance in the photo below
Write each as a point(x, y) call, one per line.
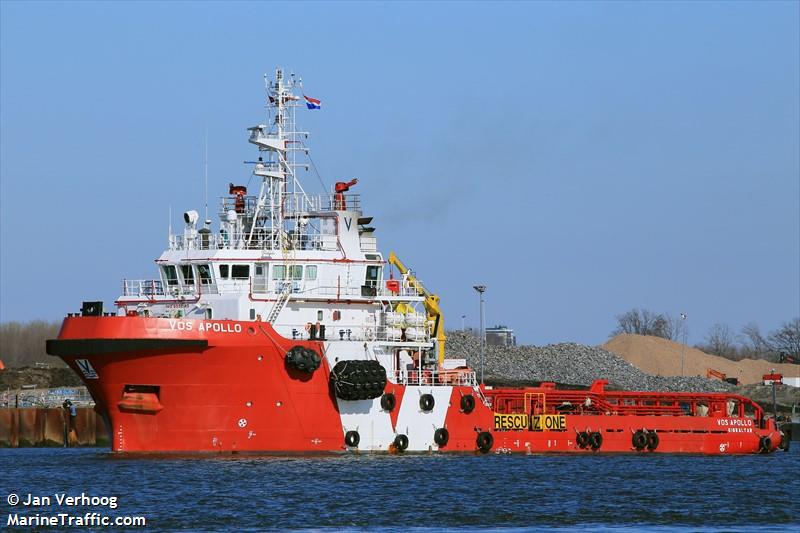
point(427, 493)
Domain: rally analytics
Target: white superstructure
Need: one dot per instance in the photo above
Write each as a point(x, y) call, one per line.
point(306, 263)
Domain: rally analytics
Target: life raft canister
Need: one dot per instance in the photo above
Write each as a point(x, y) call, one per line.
point(401, 442)
point(388, 401)
point(426, 402)
point(467, 403)
point(484, 441)
point(352, 438)
point(441, 436)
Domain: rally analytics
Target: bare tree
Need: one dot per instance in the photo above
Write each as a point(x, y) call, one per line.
point(753, 343)
point(720, 341)
point(786, 339)
point(643, 322)
point(22, 344)
point(675, 328)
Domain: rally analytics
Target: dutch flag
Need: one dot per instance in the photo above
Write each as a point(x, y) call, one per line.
point(312, 103)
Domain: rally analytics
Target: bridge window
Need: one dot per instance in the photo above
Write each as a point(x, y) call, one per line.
point(188, 274)
point(311, 272)
point(296, 271)
point(170, 274)
point(279, 272)
point(240, 271)
point(373, 275)
point(224, 271)
point(205, 274)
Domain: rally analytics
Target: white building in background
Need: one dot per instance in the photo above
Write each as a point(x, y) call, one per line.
point(500, 336)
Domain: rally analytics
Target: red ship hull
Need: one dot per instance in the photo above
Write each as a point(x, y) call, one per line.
point(222, 386)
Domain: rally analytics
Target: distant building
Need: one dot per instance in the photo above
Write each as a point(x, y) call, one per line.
point(500, 336)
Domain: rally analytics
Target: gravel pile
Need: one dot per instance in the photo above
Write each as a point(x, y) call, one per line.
point(567, 363)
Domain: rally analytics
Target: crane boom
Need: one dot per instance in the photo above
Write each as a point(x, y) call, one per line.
point(431, 303)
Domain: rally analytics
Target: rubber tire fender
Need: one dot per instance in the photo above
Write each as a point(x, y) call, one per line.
point(785, 442)
point(652, 440)
point(484, 441)
point(639, 440)
point(352, 438)
point(388, 401)
point(401, 442)
point(765, 444)
point(313, 359)
point(596, 440)
point(441, 437)
point(426, 402)
point(467, 403)
point(582, 439)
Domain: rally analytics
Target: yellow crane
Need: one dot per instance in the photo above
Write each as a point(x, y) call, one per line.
point(431, 303)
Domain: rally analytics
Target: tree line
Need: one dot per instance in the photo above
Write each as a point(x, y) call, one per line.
point(780, 345)
point(22, 343)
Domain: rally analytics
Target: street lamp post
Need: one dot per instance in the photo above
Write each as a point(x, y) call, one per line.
point(463, 324)
point(481, 289)
point(683, 346)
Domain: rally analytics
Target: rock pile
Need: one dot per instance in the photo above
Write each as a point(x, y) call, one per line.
point(567, 363)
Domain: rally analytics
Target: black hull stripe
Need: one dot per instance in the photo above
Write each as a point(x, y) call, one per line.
point(69, 347)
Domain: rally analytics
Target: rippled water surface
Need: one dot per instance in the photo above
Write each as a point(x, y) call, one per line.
point(240, 492)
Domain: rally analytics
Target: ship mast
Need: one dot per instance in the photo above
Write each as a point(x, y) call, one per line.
point(276, 164)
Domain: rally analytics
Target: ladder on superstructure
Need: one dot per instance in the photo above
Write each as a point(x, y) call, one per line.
point(280, 303)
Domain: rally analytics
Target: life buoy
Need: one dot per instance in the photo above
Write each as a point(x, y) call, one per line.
point(352, 438)
point(639, 440)
point(484, 441)
point(388, 401)
point(441, 436)
point(467, 403)
point(426, 402)
point(583, 439)
point(401, 442)
point(765, 444)
point(596, 440)
point(652, 440)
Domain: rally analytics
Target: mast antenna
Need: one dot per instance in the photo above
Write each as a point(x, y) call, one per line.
point(205, 173)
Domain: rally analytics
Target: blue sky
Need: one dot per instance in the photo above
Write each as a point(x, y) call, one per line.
point(579, 159)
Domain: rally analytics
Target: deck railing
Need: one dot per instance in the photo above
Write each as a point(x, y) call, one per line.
point(457, 377)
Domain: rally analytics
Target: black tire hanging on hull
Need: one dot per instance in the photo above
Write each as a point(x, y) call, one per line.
point(351, 439)
point(652, 440)
point(484, 441)
point(467, 403)
point(426, 402)
point(596, 440)
point(639, 440)
point(441, 437)
point(401, 442)
point(388, 401)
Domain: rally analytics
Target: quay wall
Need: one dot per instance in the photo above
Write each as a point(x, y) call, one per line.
point(50, 426)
